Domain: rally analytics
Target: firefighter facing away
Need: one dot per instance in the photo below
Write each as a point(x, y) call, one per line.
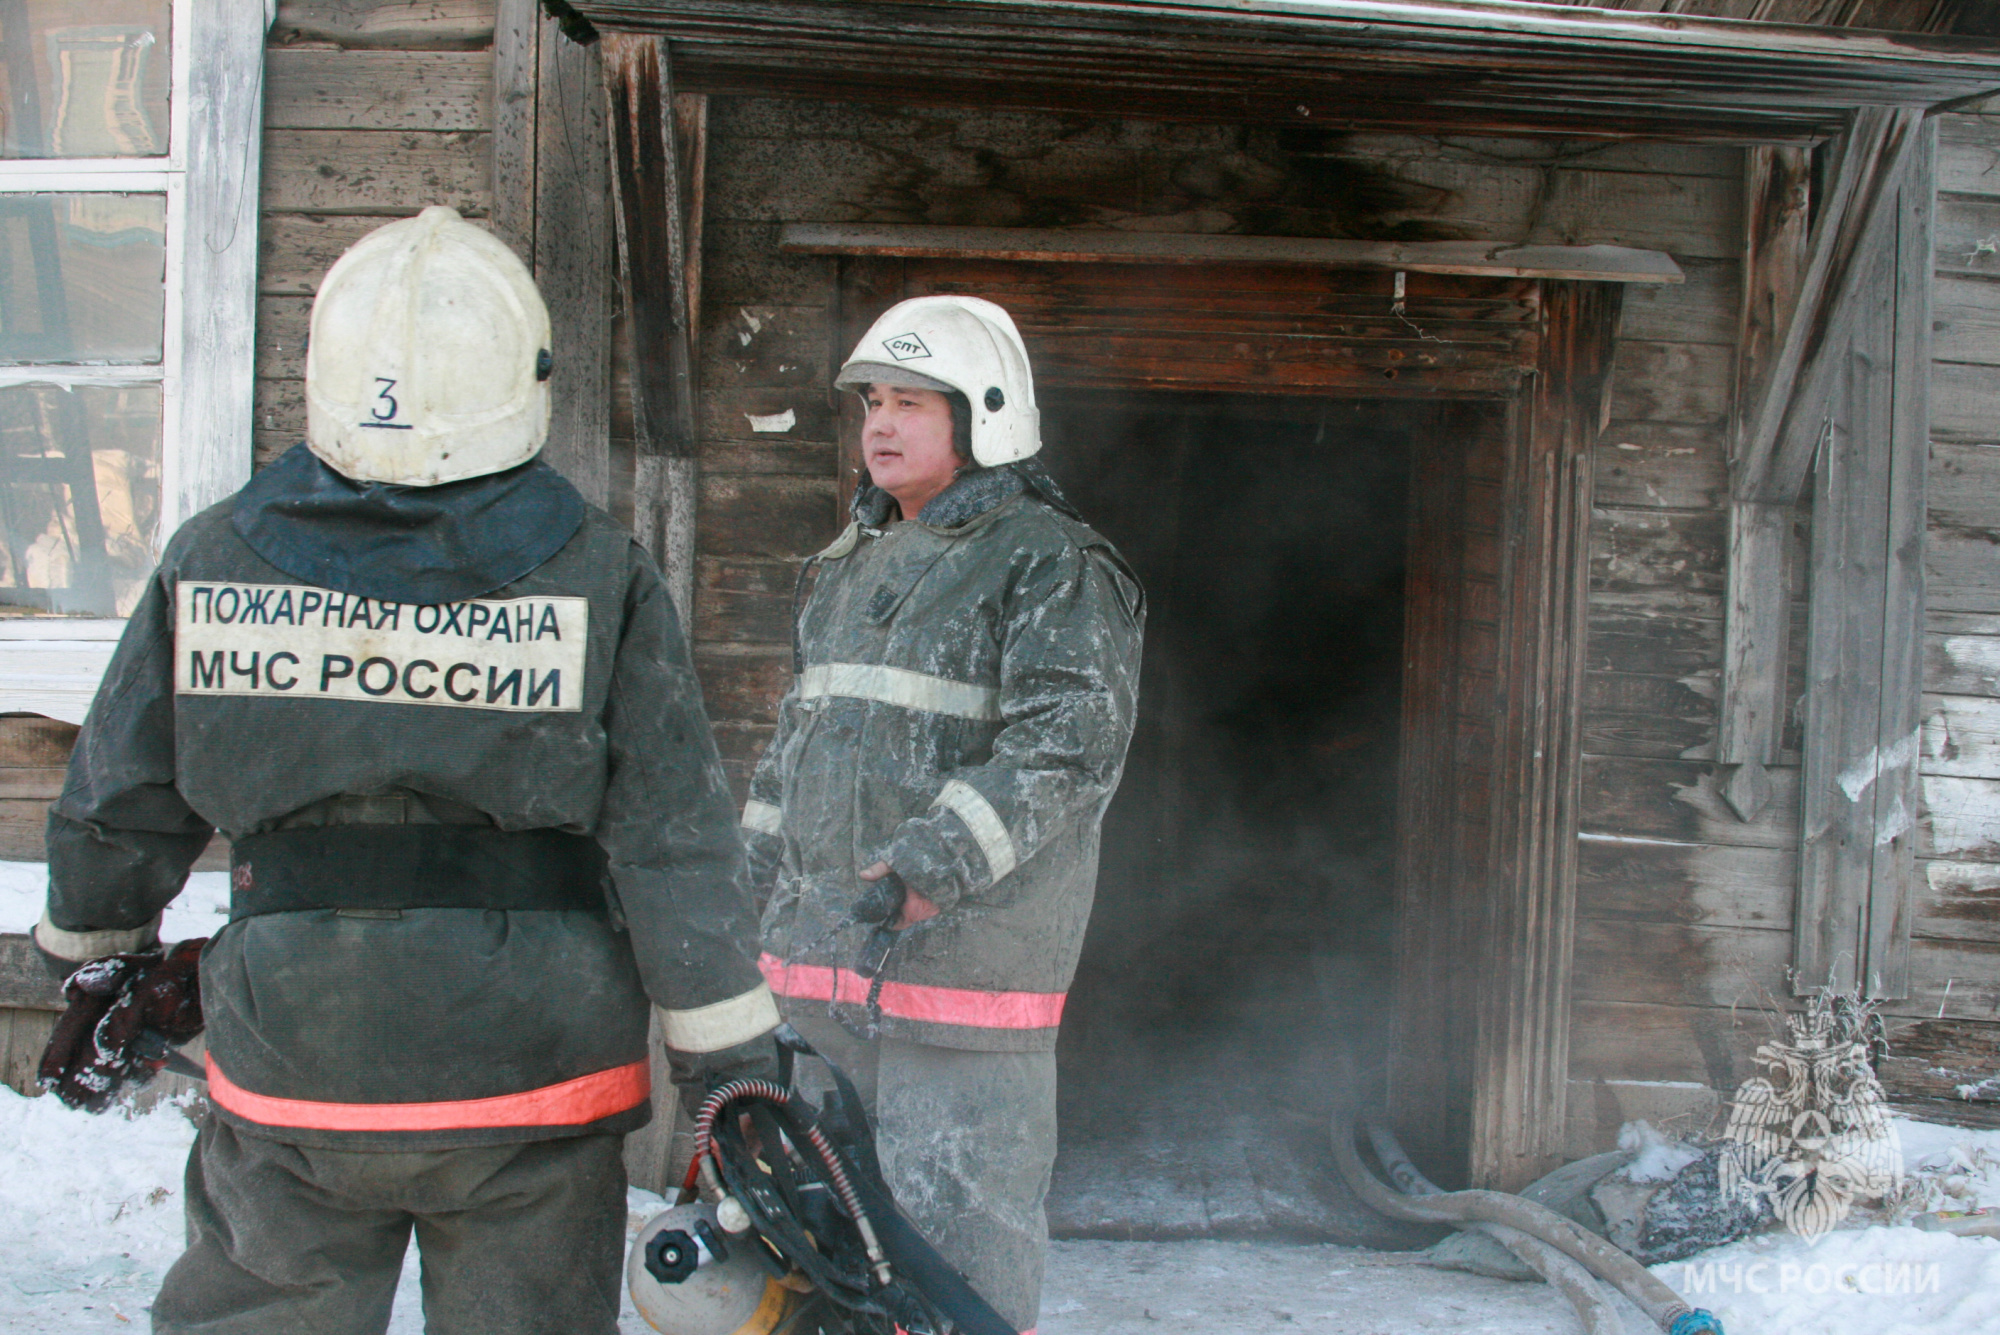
point(925, 819)
point(445, 712)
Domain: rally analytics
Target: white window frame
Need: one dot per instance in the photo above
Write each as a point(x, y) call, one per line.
point(207, 370)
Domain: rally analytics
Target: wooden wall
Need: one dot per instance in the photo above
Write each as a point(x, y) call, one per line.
point(376, 107)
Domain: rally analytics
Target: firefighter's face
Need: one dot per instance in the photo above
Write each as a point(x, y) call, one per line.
point(906, 443)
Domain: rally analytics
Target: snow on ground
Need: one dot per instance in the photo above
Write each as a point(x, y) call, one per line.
point(90, 1219)
point(201, 909)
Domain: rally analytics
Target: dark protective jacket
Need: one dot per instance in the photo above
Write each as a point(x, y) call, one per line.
point(965, 696)
point(561, 707)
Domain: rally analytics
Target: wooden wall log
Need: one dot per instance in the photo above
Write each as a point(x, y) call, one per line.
point(406, 25)
point(378, 90)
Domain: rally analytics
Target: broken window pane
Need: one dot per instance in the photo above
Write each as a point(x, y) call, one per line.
point(83, 78)
point(82, 278)
point(79, 497)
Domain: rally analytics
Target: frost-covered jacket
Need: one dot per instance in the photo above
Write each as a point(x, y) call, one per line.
point(964, 701)
point(561, 705)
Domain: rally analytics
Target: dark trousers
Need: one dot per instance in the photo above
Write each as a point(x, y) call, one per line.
point(967, 1141)
point(519, 1239)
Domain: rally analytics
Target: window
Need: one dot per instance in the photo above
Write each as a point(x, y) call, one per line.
point(128, 183)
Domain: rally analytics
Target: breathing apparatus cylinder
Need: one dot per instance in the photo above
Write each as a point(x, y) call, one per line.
point(687, 1278)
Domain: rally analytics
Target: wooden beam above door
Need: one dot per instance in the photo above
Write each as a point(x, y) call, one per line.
point(1600, 264)
point(1469, 67)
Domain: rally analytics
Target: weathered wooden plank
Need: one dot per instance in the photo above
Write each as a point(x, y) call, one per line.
point(312, 89)
point(1962, 819)
point(1856, 211)
point(1961, 736)
point(221, 146)
point(1659, 465)
point(24, 1033)
point(1962, 664)
point(1523, 1056)
point(282, 323)
point(743, 601)
point(517, 28)
point(1701, 309)
point(1672, 382)
point(1863, 661)
point(26, 739)
point(743, 683)
point(1663, 964)
point(804, 458)
point(1968, 237)
point(573, 256)
point(1968, 155)
point(1013, 133)
point(281, 417)
point(1964, 491)
point(782, 518)
point(737, 414)
point(1932, 1057)
point(1655, 880)
point(1707, 1045)
point(1951, 980)
point(295, 251)
point(22, 825)
point(742, 266)
point(409, 25)
point(767, 347)
point(1061, 182)
point(1595, 263)
point(25, 980)
point(1962, 569)
point(38, 783)
point(1965, 319)
point(385, 173)
point(1678, 800)
point(1638, 549)
point(1777, 190)
point(1632, 715)
point(1662, 643)
point(1959, 901)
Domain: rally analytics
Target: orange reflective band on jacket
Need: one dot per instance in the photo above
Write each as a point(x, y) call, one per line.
point(578, 1102)
point(916, 1001)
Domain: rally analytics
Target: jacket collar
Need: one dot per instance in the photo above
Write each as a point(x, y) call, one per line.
point(406, 544)
point(975, 492)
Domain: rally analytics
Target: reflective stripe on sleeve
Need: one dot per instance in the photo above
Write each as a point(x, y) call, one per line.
point(721, 1025)
point(900, 686)
point(988, 830)
point(965, 1006)
point(81, 946)
point(578, 1102)
point(763, 817)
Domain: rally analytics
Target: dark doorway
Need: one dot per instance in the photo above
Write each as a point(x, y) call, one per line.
point(1241, 942)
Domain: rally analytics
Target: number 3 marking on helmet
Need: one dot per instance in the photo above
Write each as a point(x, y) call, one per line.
point(387, 400)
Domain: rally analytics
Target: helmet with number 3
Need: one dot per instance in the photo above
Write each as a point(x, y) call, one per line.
point(429, 356)
point(962, 344)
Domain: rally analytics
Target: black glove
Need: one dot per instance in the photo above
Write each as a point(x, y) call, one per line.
point(697, 1075)
point(126, 1015)
point(881, 900)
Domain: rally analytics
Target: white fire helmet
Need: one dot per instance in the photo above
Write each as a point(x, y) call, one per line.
point(956, 343)
point(429, 356)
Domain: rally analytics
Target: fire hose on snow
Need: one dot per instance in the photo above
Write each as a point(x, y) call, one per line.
point(1567, 1256)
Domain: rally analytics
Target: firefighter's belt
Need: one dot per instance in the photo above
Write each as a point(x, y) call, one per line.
point(414, 867)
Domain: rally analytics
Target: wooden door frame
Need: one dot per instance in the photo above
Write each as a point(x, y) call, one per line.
point(1505, 1068)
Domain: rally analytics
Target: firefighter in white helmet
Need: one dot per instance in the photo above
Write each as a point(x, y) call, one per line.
point(925, 821)
point(444, 711)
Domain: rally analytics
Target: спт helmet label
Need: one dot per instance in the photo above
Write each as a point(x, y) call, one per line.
point(906, 347)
